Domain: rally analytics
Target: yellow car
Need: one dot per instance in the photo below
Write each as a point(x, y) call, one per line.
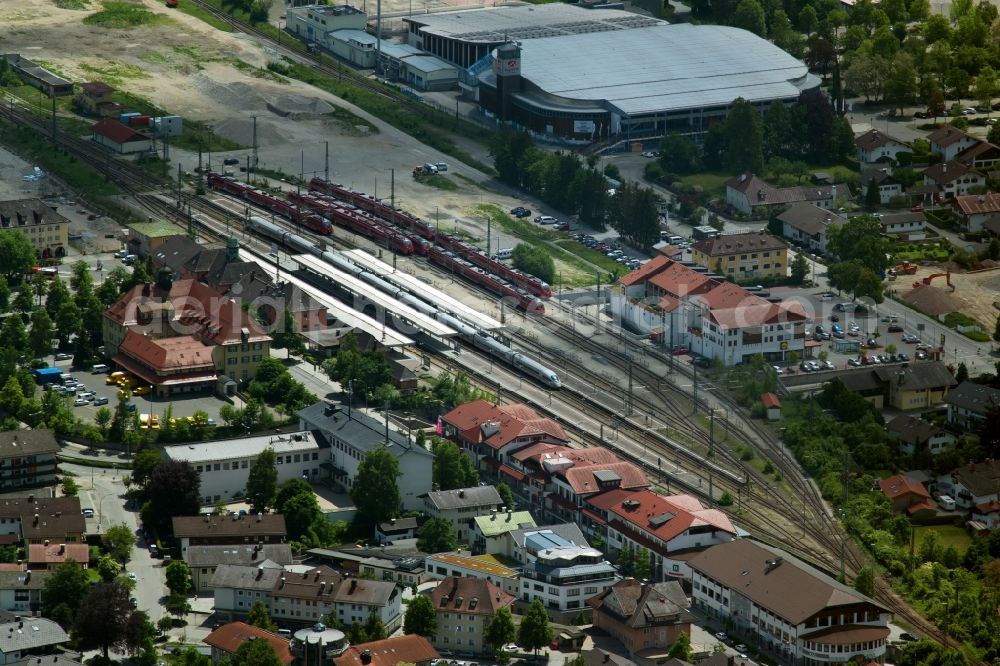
point(113, 378)
point(140, 390)
point(123, 394)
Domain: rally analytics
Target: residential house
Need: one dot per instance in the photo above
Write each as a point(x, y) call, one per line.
point(490, 433)
point(224, 466)
point(877, 147)
point(237, 587)
point(409, 648)
point(975, 210)
point(793, 610)
point(809, 225)
point(395, 529)
point(47, 230)
point(42, 519)
point(969, 404)
point(399, 561)
point(27, 459)
point(669, 251)
point(953, 179)
point(485, 567)
point(888, 186)
point(181, 336)
point(228, 638)
point(909, 225)
point(743, 256)
point(204, 560)
point(599, 657)
point(950, 142)
point(915, 434)
point(669, 527)
point(563, 578)
point(306, 598)
point(488, 531)
point(907, 495)
point(919, 385)
point(973, 484)
point(30, 637)
point(986, 514)
point(460, 506)
point(750, 194)
point(642, 616)
point(711, 317)
point(464, 607)
point(351, 433)
point(263, 528)
point(21, 591)
point(982, 155)
point(44, 556)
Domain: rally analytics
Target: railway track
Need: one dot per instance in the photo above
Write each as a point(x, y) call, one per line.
point(139, 183)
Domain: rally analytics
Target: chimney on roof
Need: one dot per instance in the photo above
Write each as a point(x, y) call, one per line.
point(282, 582)
point(260, 573)
point(35, 522)
point(366, 657)
point(607, 657)
point(31, 498)
point(260, 517)
point(62, 548)
point(354, 586)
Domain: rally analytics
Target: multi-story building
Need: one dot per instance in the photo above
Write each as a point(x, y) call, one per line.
point(875, 147)
point(464, 608)
point(488, 531)
point(750, 194)
point(919, 385)
point(670, 528)
point(809, 225)
point(43, 519)
point(642, 616)
point(743, 256)
point(396, 529)
point(47, 230)
point(181, 336)
point(974, 210)
point(907, 225)
point(953, 179)
point(685, 308)
point(460, 506)
point(882, 179)
point(27, 458)
point(969, 404)
point(236, 587)
point(21, 591)
point(43, 556)
point(914, 434)
point(565, 577)
point(306, 598)
point(224, 466)
point(204, 560)
point(228, 638)
point(263, 528)
point(906, 494)
point(950, 142)
point(973, 484)
point(519, 544)
point(29, 637)
point(485, 567)
point(409, 648)
point(351, 434)
point(490, 433)
point(787, 608)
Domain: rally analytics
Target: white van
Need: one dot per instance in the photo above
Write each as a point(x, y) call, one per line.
point(946, 503)
point(98, 369)
point(504, 253)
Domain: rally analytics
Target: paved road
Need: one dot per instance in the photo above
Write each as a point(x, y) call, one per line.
point(103, 491)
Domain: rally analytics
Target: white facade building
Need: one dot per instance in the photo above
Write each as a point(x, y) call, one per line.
point(460, 506)
point(225, 465)
point(564, 578)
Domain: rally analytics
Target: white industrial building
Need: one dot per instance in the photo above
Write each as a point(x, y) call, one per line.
point(225, 465)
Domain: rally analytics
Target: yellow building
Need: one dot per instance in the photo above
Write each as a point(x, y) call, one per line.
point(47, 230)
point(743, 256)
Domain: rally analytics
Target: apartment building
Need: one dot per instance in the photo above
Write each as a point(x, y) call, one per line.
point(460, 506)
point(47, 230)
point(27, 459)
point(743, 256)
point(464, 607)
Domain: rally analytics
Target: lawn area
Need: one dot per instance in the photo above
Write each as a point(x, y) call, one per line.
point(938, 250)
point(197, 135)
point(438, 181)
point(713, 184)
point(948, 535)
point(123, 15)
point(198, 12)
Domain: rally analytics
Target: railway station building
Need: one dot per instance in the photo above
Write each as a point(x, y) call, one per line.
point(47, 230)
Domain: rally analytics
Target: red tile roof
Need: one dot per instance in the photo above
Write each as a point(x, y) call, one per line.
point(739, 243)
point(469, 596)
point(645, 271)
point(988, 507)
point(770, 401)
point(657, 515)
point(229, 637)
point(947, 135)
point(117, 132)
point(582, 480)
point(482, 422)
point(874, 138)
point(412, 648)
point(900, 485)
point(977, 204)
point(679, 280)
point(730, 295)
point(55, 553)
point(946, 172)
point(757, 315)
point(184, 353)
point(925, 505)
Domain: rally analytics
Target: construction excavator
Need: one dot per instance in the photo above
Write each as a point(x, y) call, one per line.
point(930, 278)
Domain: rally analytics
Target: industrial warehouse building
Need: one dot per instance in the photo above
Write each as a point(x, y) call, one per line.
point(589, 74)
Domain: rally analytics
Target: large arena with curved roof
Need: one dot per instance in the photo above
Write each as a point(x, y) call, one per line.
point(591, 74)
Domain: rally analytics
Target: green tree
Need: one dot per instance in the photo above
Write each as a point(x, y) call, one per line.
point(177, 604)
point(534, 259)
point(103, 618)
point(64, 589)
point(119, 541)
point(258, 617)
point(744, 149)
point(70, 487)
point(14, 335)
point(256, 653)
point(4, 292)
point(642, 566)
point(42, 333)
point(11, 396)
point(17, 255)
point(500, 630)
point(287, 336)
point(865, 582)
point(681, 648)
point(421, 617)
point(534, 632)
point(507, 496)
point(452, 468)
point(799, 268)
point(860, 239)
point(178, 577)
point(375, 492)
point(679, 155)
point(143, 465)
point(750, 16)
point(301, 513)
point(108, 568)
point(985, 86)
point(962, 374)
point(436, 536)
point(173, 489)
point(901, 84)
point(102, 419)
point(374, 629)
point(262, 481)
point(808, 20)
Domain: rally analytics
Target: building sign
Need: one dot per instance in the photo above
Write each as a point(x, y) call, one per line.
point(508, 67)
point(583, 126)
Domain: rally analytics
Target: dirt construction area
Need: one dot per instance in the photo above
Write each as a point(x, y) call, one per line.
point(974, 294)
point(186, 67)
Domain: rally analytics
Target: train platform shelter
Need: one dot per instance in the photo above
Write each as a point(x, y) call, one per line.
point(387, 336)
point(418, 287)
point(418, 320)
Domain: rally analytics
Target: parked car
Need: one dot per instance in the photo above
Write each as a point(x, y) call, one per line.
point(895, 328)
point(867, 360)
point(680, 351)
point(910, 338)
point(63, 356)
point(649, 153)
point(907, 636)
point(920, 355)
point(834, 317)
point(231, 161)
point(100, 400)
point(854, 362)
point(546, 219)
point(80, 402)
point(889, 318)
point(902, 357)
point(520, 211)
point(968, 111)
point(829, 365)
point(441, 166)
point(871, 343)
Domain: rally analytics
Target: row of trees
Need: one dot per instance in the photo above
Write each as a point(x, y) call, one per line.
point(535, 260)
point(576, 188)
